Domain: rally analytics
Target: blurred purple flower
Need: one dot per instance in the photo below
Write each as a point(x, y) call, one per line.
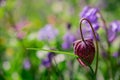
point(113, 30)
point(2, 3)
point(26, 64)
point(91, 14)
point(50, 55)
point(88, 34)
point(111, 35)
point(115, 26)
point(47, 33)
point(116, 54)
point(68, 38)
point(47, 62)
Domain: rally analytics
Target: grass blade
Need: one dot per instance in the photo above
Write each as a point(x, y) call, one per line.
point(55, 51)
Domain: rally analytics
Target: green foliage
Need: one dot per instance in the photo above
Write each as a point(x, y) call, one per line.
point(37, 13)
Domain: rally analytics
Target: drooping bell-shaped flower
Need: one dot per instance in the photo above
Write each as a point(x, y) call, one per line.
point(85, 50)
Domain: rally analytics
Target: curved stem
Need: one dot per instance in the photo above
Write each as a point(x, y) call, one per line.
point(81, 30)
point(93, 74)
point(105, 27)
point(109, 45)
point(97, 50)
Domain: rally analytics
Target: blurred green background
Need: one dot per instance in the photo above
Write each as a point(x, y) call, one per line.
point(18, 63)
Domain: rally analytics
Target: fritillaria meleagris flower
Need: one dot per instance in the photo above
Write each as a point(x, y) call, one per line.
point(85, 50)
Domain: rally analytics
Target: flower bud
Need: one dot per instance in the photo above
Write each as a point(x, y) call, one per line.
point(85, 50)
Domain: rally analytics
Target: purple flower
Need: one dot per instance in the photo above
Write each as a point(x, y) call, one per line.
point(50, 55)
point(66, 45)
point(26, 64)
point(116, 54)
point(88, 34)
point(115, 26)
point(113, 30)
point(47, 33)
point(2, 3)
point(91, 15)
point(47, 62)
point(68, 38)
point(111, 34)
point(85, 10)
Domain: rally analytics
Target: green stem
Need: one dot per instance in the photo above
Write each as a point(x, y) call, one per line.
point(67, 53)
point(93, 74)
point(106, 29)
point(55, 51)
point(109, 46)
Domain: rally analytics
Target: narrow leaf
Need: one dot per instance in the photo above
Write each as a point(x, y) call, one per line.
point(55, 51)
